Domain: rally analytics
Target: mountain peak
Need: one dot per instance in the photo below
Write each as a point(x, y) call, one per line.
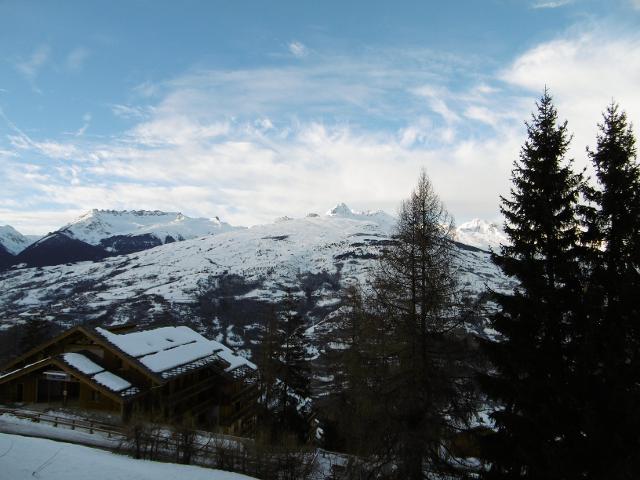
point(13, 241)
point(340, 210)
point(482, 234)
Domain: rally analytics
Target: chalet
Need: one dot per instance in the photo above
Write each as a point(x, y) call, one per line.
point(165, 373)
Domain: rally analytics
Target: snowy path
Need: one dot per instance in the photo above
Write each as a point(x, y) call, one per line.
point(24, 458)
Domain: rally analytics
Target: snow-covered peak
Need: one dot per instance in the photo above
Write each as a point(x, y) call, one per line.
point(482, 234)
point(13, 240)
point(379, 217)
point(96, 225)
point(341, 210)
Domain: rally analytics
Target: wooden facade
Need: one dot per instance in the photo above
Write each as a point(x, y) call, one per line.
point(125, 374)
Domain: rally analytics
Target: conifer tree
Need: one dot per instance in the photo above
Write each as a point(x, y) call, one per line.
point(536, 416)
point(35, 332)
point(359, 366)
point(285, 373)
point(612, 348)
point(414, 381)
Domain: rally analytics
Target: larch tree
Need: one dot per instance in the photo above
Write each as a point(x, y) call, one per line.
point(422, 381)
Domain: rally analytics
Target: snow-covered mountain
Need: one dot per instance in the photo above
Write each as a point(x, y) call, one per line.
point(13, 241)
point(383, 219)
point(103, 233)
point(96, 226)
point(481, 234)
point(224, 282)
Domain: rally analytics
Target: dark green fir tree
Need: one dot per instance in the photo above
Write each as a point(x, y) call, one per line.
point(536, 422)
point(612, 350)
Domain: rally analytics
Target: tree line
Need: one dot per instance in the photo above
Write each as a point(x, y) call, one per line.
point(561, 381)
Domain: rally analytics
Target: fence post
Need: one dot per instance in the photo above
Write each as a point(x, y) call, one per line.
point(90, 427)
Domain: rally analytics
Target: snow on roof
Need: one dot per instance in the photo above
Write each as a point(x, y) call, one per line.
point(6, 374)
point(96, 372)
point(164, 348)
point(82, 363)
point(111, 381)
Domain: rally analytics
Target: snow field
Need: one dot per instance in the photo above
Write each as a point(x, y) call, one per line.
point(23, 458)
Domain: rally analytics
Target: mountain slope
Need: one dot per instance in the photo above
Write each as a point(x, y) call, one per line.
point(13, 241)
point(98, 225)
point(481, 234)
point(314, 257)
point(102, 233)
point(57, 248)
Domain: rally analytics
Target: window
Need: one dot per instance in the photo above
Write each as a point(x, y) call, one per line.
point(95, 396)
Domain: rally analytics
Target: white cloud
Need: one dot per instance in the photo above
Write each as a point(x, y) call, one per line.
point(30, 67)
point(436, 100)
point(584, 73)
point(298, 49)
point(551, 3)
point(129, 111)
point(251, 145)
point(36, 221)
point(176, 130)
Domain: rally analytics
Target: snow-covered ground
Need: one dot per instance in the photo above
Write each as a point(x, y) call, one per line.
point(9, 424)
point(24, 458)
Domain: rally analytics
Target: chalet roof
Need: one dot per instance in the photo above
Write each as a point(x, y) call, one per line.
point(96, 372)
point(165, 350)
point(85, 369)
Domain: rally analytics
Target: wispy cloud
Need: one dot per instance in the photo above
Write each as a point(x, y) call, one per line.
point(298, 49)
point(86, 118)
point(551, 3)
point(130, 111)
point(31, 66)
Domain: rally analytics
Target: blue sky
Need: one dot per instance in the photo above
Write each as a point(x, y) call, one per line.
point(253, 110)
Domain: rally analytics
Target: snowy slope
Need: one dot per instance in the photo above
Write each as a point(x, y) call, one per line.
point(270, 258)
point(27, 458)
point(97, 225)
point(13, 241)
point(481, 234)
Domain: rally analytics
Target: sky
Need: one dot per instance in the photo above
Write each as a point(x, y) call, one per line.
point(252, 110)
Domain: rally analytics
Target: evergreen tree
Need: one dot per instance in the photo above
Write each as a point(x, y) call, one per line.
point(285, 373)
point(612, 349)
point(359, 368)
point(295, 372)
point(540, 322)
point(35, 332)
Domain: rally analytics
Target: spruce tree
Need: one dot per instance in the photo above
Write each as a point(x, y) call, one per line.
point(285, 373)
point(536, 415)
point(612, 348)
